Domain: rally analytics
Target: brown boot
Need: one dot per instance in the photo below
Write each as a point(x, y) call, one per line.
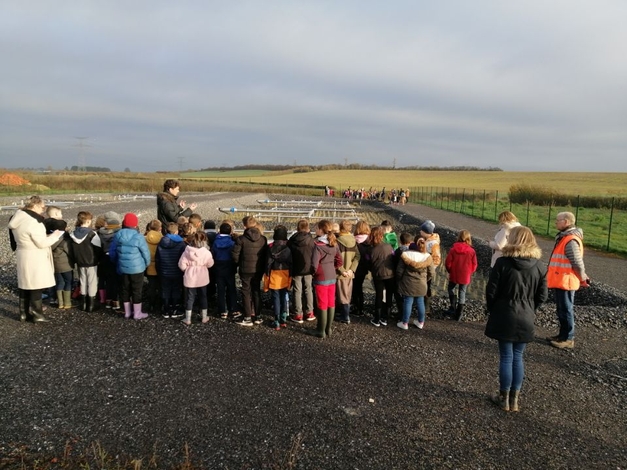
point(513, 400)
point(501, 400)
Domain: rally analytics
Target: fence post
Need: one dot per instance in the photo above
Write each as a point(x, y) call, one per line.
point(527, 223)
point(472, 210)
point(483, 205)
point(548, 222)
point(461, 207)
point(577, 209)
point(496, 205)
point(609, 231)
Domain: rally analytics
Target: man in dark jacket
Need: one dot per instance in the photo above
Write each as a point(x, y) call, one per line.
point(169, 208)
point(249, 253)
point(301, 245)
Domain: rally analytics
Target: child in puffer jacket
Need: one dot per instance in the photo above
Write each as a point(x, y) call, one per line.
point(279, 275)
point(224, 269)
point(169, 252)
point(195, 263)
point(129, 251)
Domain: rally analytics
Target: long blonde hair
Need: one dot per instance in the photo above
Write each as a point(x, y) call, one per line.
point(326, 227)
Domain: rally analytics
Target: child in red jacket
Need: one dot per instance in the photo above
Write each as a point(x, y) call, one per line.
point(461, 262)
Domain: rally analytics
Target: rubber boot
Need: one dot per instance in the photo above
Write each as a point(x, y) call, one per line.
point(502, 400)
point(89, 304)
point(38, 312)
point(513, 400)
point(459, 312)
point(67, 300)
point(102, 293)
point(24, 305)
point(204, 315)
point(188, 318)
point(137, 312)
point(321, 315)
point(128, 313)
point(330, 318)
point(60, 299)
point(83, 302)
point(453, 308)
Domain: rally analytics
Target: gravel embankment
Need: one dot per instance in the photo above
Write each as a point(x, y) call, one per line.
point(367, 398)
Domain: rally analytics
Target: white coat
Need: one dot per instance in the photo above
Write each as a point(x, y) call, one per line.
point(35, 268)
point(500, 240)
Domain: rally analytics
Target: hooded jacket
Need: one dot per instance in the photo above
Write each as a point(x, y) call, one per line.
point(301, 245)
point(62, 254)
point(86, 247)
point(34, 257)
point(169, 251)
point(249, 252)
point(152, 239)
point(350, 253)
point(324, 261)
point(413, 271)
point(279, 265)
point(515, 290)
point(129, 252)
point(222, 249)
point(365, 252)
point(195, 264)
point(169, 210)
point(461, 262)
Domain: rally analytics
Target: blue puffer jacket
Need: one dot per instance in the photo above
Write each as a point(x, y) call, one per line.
point(169, 251)
point(129, 252)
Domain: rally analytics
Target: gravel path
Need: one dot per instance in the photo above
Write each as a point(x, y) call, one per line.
point(367, 398)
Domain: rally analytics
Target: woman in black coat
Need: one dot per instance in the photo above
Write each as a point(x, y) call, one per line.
point(515, 290)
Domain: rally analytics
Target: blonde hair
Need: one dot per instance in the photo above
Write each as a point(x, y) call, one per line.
point(326, 227)
point(507, 216)
point(346, 226)
point(521, 236)
point(464, 237)
point(362, 228)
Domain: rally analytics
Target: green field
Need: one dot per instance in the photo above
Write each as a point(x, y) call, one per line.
point(590, 184)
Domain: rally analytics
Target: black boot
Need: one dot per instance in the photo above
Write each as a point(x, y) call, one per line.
point(90, 304)
point(321, 325)
point(24, 306)
point(82, 302)
point(459, 312)
point(38, 315)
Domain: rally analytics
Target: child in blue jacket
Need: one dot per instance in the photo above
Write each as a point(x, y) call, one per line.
point(131, 256)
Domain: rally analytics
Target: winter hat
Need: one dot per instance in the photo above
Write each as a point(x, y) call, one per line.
point(427, 227)
point(130, 221)
point(112, 218)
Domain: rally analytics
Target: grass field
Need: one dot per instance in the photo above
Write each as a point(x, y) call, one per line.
point(590, 184)
point(234, 174)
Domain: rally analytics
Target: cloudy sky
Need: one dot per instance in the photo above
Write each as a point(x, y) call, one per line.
point(533, 85)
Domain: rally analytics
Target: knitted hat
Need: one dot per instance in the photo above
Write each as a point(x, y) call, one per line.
point(427, 227)
point(112, 218)
point(130, 221)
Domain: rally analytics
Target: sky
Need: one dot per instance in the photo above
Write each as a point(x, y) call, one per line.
point(534, 85)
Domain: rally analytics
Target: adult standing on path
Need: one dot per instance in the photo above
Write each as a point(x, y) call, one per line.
point(169, 207)
point(35, 268)
point(515, 290)
point(566, 273)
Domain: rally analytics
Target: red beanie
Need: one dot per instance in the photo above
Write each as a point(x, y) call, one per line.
point(130, 221)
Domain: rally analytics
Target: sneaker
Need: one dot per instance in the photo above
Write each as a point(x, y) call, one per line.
point(283, 324)
point(166, 315)
point(276, 325)
point(246, 322)
point(419, 324)
point(257, 320)
point(176, 314)
point(310, 316)
point(297, 318)
point(345, 321)
point(224, 315)
point(402, 325)
point(375, 323)
point(108, 304)
point(563, 344)
point(383, 322)
point(236, 315)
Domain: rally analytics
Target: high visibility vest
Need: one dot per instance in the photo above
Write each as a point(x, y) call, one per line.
point(560, 273)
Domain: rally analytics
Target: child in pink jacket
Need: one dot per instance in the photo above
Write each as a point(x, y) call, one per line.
point(195, 263)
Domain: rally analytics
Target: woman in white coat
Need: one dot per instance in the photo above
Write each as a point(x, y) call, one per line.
point(35, 269)
point(507, 222)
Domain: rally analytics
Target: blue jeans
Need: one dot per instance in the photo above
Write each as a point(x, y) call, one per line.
point(461, 297)
point(408, 303)
point(565, 301)
point(63, 280)
point(279, 298)
point(511, 365)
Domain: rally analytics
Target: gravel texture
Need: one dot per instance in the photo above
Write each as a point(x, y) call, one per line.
point(366, 398)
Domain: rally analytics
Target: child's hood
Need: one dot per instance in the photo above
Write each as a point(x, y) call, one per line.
point(153, 237)
point(80, 234)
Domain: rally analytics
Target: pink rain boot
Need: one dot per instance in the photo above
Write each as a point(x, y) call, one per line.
point(137, 312)
point(127, 310)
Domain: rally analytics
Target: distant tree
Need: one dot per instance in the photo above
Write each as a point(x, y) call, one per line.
point(127, 170)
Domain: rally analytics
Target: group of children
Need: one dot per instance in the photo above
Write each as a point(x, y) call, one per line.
point(183, 264)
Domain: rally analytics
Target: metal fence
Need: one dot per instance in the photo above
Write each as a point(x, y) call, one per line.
point(604, 227)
